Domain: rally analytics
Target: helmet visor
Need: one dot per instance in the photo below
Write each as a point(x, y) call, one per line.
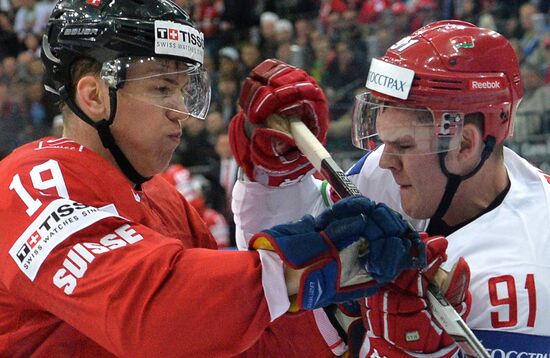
point(404, 130)
point(165, 83)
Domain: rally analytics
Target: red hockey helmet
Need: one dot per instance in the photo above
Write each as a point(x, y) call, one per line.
point(450, 68)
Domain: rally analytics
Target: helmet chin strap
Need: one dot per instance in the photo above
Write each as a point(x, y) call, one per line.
point(107, 139)
point(453, 180)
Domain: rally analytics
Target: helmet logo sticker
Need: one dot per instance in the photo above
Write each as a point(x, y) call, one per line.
point(403, 44)
point(463, 42)
point(389, 79)
point(94, 2)
point(179, 40)
point(487, 84)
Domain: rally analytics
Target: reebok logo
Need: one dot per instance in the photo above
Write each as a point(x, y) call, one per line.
point(496, 84)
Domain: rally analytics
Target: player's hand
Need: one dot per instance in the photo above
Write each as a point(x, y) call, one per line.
point(337, 249)
point(397, 317)
point(267, 155)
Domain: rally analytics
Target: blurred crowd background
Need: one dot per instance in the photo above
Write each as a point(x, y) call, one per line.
point(333, 40)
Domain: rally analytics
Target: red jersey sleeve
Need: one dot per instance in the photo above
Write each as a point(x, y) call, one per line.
point(83, 252)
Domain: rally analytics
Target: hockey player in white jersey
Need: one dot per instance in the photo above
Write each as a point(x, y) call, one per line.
point(437, 109)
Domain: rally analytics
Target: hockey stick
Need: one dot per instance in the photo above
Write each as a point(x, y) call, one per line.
point(321, 159)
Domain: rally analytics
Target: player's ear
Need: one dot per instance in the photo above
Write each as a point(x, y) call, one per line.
point(92, 97)
point(471, 146)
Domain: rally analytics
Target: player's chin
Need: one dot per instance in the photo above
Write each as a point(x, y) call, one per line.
point(158, 165)
point(415, 209)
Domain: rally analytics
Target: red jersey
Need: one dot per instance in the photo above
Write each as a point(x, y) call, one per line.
point(91, 267)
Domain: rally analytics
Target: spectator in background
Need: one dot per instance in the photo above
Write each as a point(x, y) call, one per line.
point(540, 58)
point(227, 175)
point(533, 115)
point(215, 125)
point(9, 45)
point(207, 16)
point(9, 70)
point(350, 31)
point(237, 19)
point(31, 44)
point(250, 56)
point(37, 114)
point(228, 59)
point(371, 10)
point(334, 26)
point(190, 186)
point(323, 56)
point(400, 24)
point(530, 39)
point(12, 121)
point(344, 75)
point(469, 11)
point(268, 39)
point(424, 12)
point(327, 8)
point(194, 148)
point(285, 54)
point(228, 88)
point(284, 31)
point(32, 17)
point(303, 40)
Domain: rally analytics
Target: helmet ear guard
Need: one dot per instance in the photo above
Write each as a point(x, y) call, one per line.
point(455, 67)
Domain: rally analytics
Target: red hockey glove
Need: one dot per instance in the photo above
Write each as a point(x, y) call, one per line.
point(267, 155)
point(397, 317)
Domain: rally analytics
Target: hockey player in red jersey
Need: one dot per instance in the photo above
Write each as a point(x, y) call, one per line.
point(434, 116)
point(100, 257)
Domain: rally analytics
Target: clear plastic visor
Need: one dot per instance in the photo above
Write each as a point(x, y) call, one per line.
point(404, 130)
point(165, 83)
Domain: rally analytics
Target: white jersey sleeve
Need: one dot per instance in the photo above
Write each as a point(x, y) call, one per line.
point(257, 207)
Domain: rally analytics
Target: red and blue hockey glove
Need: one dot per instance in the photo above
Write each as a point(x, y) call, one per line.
point(336, 252)
point(397, 317)
point(267, 155)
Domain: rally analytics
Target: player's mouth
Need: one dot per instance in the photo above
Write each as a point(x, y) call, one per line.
point(175, 137)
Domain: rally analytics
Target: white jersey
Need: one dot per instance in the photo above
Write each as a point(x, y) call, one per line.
point(507, 248)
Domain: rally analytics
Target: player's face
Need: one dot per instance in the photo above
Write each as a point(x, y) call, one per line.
point(146, 132)
point(421, 182)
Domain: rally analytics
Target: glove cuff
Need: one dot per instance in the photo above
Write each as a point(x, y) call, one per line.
point(240, 144)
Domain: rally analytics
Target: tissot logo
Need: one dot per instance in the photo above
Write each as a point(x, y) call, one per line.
point(175, 39)
point(179, 35)
point(57, 222)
